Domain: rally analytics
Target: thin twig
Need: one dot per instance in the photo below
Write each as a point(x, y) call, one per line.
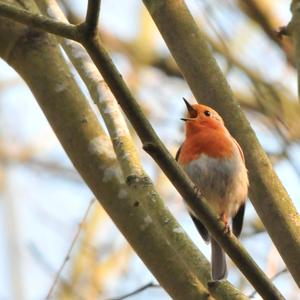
point(92, 15)
point(41, 22)
point(137, 291)
point(67, 257)
point(265, 19)
point(45, 265)
point(272, 278)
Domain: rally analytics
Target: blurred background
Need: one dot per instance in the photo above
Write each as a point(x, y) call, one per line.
point(50, 223)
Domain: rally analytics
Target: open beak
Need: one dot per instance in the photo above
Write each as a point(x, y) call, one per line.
point(192, 112)
point(187, 119)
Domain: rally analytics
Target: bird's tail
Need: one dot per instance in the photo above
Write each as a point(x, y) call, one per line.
point(218, 261)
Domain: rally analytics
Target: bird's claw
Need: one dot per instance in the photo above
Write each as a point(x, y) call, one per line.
point(227, 229)
point(197, 191)
point(223, 218)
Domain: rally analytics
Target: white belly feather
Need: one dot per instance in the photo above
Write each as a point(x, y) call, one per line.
point(223, 182)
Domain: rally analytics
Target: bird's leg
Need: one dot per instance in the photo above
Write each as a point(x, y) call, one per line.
point(223, 218)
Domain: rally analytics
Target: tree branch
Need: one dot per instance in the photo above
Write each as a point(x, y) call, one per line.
point(265, 17)
point(67, 257)
point(38, 21)
point(283, 271)
point(92, 15)
point(137, 291)
point(293, 29)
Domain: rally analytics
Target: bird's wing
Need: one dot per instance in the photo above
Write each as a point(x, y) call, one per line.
point(237, 221)
point(200, 227)
point(178, 153)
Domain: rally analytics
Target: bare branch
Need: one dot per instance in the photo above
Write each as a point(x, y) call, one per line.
point(92, 15)
point(285, 270)
point(137, 291)
point(38, 21)
point(67, 257)
point(264, 16)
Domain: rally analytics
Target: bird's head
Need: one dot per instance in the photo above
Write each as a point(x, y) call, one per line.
point(201, 117)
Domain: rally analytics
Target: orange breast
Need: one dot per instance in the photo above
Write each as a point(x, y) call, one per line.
point(213, 143)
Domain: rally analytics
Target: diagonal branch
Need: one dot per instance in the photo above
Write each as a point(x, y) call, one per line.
point(137, 291)
point(31, 19)
point(71, 247)
point(259, 12)
point(293, 29)
point(283, 271)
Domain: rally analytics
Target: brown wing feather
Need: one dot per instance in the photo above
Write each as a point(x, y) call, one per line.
point(201, 228)
point(178, 153)
point(237, 220)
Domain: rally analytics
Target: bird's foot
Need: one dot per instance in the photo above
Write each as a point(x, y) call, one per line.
point(224, 219)
point(197, 191)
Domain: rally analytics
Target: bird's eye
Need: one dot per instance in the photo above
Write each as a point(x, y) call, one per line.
point(207, 113)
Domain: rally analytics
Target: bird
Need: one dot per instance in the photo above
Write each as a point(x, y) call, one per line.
point(215, 163)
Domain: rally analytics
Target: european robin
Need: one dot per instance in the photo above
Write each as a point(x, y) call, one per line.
point(214, 161)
